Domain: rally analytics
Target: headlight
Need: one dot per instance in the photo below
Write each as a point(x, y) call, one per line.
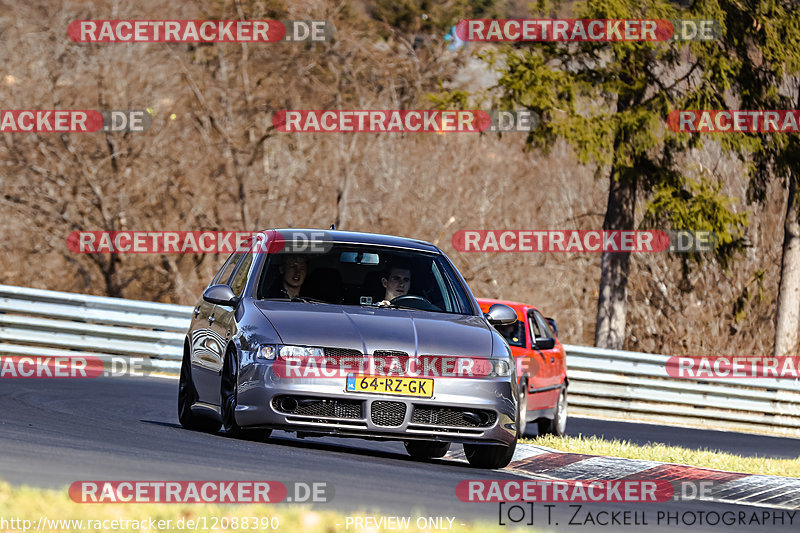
point(301, 351)
point(267, 352)
point(271, 351)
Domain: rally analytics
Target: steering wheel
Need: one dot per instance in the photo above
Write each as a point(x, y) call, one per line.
point(415, 302)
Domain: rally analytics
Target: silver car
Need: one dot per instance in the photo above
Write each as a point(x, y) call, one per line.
point(288, 333)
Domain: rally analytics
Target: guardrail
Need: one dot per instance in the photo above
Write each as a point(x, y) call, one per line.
point(603, 383)
point(633, 385)
point(51, 324)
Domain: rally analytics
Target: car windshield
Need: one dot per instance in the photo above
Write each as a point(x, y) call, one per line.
point(365, 275)
point(514, 333)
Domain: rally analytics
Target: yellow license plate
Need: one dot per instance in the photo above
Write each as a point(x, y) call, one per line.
point(422, 387)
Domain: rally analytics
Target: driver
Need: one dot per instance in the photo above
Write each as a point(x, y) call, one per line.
point(508, 331)
point(396, 281)
point(293, 269)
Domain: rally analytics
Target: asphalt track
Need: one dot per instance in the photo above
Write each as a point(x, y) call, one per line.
point(55, 432)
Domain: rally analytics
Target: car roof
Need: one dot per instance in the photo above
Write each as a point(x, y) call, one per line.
point(377, 239)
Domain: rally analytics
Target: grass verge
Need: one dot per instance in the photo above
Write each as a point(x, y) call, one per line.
point(672, 454)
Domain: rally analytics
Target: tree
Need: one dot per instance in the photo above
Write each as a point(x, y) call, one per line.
point(610, 102)
point(763, 41)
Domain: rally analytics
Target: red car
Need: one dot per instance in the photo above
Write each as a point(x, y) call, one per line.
point(541, 368)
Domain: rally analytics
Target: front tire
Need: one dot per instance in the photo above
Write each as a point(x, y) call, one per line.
point(229, 400)
point(422, 450)
point(489, 455)
point(187, 395)
point(558, 424)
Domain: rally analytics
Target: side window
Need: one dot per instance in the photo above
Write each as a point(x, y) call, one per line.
point(543, 324)
point(444, 294)
point(240, 277)
point(460, 301)
point(225, 272)
point(536, 330)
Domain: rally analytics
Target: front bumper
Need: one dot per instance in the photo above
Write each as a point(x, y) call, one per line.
point(464, 410)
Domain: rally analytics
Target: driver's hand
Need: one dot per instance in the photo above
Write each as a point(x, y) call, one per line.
point(384, 303)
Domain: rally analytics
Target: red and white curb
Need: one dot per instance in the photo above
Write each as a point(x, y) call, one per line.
point(538, 462)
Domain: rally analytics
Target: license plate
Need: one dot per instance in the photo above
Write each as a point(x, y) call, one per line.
point(422, 387)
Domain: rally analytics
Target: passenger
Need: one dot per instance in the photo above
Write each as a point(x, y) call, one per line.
point(293, 270)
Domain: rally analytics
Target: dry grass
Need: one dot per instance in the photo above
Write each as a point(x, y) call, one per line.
point(25, 503)
point(673, 454)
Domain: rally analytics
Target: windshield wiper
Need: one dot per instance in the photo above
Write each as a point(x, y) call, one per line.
point(306, 299)
point(303, 299)
point(393, 306)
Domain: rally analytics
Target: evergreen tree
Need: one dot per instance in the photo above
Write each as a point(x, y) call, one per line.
point(610, 101)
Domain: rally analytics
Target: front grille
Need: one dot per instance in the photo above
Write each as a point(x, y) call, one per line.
point(389, 353)
point(344, 358)
point(326, 422)
point(388, 413)
point(432, 429)
point(454, 417)
point(390, 359)
point(341, 352)
point(323, 407)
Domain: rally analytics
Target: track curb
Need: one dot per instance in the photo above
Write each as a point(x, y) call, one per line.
point(540, 462)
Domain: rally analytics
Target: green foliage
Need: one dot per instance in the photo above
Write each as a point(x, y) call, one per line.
point(456, 99)
point(610, 102)
point(699, 205)
point(763, 42)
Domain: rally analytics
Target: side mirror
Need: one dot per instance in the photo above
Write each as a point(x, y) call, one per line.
point(501, 315)
point(220, 295)
point(552, 322)
point(545, 343)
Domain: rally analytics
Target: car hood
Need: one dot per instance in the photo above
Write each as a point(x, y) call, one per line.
point(368, 329)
